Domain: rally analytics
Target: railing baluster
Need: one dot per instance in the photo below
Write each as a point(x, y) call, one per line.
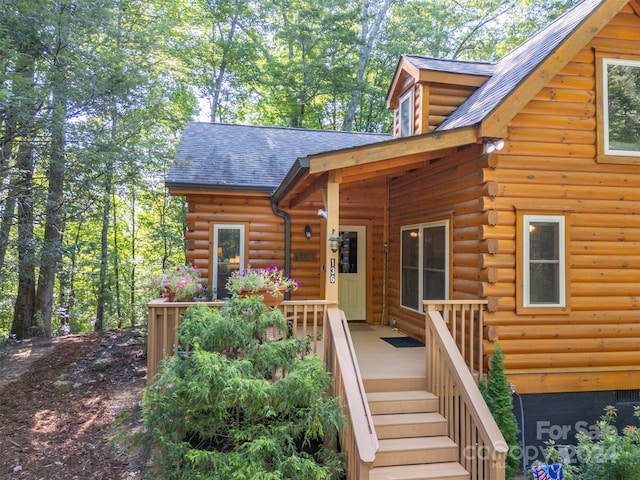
point(471, 425)
point(164, 319)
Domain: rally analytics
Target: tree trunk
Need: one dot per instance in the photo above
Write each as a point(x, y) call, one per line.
point(24, 307)
point(368, 37)
point(52, 244)
point(132, 299)
point(9, 205)
point(116, 261)
point(104, 249)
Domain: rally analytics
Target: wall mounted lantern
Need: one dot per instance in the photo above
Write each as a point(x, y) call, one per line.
point(334, 241)
point(307, 231)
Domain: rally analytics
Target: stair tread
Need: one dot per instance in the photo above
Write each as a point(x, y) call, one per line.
point(407, 418)
point(444, 470)
point(415, 443)
point(402, 395)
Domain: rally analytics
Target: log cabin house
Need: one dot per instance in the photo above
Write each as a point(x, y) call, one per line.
point(515, 183)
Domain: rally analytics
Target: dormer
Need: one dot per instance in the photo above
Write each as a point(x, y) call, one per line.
point(425, 91)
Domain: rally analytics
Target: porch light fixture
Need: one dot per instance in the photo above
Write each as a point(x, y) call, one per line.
point(307, 231)
point(494, 145)
point(323, 214)
point(334, 241)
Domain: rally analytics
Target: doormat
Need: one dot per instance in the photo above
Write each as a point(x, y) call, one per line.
point(403, 342)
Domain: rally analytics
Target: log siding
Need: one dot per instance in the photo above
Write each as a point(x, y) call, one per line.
point(549, 163)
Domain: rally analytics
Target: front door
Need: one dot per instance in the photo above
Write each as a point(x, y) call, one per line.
point(352, 272)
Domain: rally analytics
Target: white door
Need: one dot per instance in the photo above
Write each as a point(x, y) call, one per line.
point(352, 272)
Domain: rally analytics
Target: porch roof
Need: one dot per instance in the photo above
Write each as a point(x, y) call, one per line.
point(511, 84)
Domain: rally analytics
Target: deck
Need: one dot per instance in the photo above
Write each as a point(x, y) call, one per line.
point(379, 359)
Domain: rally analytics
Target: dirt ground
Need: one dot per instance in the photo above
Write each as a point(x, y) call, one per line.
point(70, 407)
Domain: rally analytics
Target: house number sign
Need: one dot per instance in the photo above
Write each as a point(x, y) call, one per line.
point(332, 271)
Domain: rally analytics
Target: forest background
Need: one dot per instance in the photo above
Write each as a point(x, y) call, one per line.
point(95, 94)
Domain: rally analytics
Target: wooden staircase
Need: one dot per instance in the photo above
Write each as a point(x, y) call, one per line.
point(413, 436)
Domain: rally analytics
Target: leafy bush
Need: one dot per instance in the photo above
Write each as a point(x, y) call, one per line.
point(610, 455)
point(553, 456)
point(239, 404)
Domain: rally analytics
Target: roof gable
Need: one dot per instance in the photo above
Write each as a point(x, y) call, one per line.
point(414, 68)
point(242, 157)
point(520, 74)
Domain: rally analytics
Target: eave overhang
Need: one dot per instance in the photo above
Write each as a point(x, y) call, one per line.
point(181, 189)
point(369, 161)
point(495, 121)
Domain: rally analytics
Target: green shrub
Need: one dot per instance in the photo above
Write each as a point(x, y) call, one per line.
point(610, 455)
point(497, 393)
point(237, 404)
point(553, 456)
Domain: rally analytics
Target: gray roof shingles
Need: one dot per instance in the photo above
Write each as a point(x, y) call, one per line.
point(514, 67)
point(451, 66)
point(254, 157)
point(250, 157)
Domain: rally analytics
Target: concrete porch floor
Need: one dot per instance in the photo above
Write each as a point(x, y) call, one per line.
point(379, 359)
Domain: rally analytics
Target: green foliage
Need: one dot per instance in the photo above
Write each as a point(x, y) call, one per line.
point(497, 393)
point(237, 403)
point(553, 456)
point(610, 455)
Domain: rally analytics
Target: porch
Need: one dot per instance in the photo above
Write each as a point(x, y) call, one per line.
point(413, 411)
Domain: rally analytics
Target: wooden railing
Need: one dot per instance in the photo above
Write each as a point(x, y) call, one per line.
point(358, 437)
point(164, 318)
point(471, 425)
point(465, 322)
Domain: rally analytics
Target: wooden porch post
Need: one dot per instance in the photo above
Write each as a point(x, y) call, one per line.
point(332, 205)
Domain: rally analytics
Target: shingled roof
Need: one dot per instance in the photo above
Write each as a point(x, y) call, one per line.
point(484, 69)
point(517, 65)
point(236, 157)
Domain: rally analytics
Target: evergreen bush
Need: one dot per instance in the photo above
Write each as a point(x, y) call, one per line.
point(239, 404)
point(497, 393)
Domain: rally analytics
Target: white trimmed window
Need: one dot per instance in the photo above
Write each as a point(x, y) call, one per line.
point(406, 114)
point(425, 263)
point(544, 279)
point(228, 255)
point(620, 129)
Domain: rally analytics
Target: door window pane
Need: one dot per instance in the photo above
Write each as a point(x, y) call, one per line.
point(410, 271)
point(348, 252)
point(425, 259)
point(434, 267)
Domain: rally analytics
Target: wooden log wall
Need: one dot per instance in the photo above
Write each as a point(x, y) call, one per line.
point(449, 188)
point(360, 205)
point(444, 100)
point(549, 162)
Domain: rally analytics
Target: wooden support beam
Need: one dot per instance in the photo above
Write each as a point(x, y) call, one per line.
point(331, 194)
point(309, 191)
point(419, 144)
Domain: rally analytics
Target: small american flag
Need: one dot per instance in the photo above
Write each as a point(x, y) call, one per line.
point(547, 472)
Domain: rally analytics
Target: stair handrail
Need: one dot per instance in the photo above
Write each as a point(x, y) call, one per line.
point(482, 446)
point(358, 437)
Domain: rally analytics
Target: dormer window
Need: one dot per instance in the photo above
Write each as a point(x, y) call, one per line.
point(619, 128)
point(406, 115)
